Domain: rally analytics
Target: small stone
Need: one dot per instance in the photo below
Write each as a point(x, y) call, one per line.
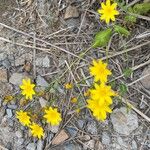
point(122, 142)
point(70, 146)
point(6, 63)
point(85, 138)
point(43, 62)
point(40, 81)
point(54, 129)
point(5, 88)
point(92, 127)
point(12, 106)
point(20, 141)
point(3, 75)
point(124, 122)
point(72, 131)
point(98, 145)
point(105, 138)
point(9, 113)
point(61, 137)
point(71, 12)
point(43, 102)
point(2, 56)
point(40, 145)
point(19, 134)
point(134, 145)
point(46, 62)
point(31, 146)
point(146, 81)
point(80, 123)
point(21, 60)
point(90, 144)
point(16, 79)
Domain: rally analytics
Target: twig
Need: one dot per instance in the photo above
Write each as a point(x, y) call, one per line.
point(38, 48)
point(34, 57)
point(135, 109)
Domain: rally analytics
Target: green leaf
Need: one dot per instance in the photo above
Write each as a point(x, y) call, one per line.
point(142, 8)
point(123, 89)
point(121, 30)
point(102, 38)
point(130, 19)
point(127, 72)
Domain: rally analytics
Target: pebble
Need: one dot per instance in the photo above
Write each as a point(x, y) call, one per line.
point(12, 106)
point(21, 60)
point(9, 113)
point(3, 75)
point(122, 142)
point(18, 134)
point(90, 144)
point(80, 123)
point(71, 146)
point(43, 102)
point(40, 81)
point(85, 138)
point(31, 146)
point(6, 63)
point(146, 81)
point(43, 62)
point(2, 56)
point(106, 138)
point(92, 127)
point(16, 79)
point(72, 131)
point(40, 145)
point(20, 141)
point(134, 145)
point(124, 122)
point(71, 12)
point(54, 129)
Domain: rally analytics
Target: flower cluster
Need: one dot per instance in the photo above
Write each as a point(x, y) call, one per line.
point(51, 115)
point(101, 95)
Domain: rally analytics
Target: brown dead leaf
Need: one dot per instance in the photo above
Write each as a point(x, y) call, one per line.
point(61, 137)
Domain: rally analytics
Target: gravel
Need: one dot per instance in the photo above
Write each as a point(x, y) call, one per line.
point(91, 127)
point(124, 122)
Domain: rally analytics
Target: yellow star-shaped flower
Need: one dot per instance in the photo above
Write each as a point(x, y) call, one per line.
point(36, 130)
point(99, 111)
point(103, 93)
point(52, 116)
point(108, 11)
point(27, 88)
point(23, 118)
point(99, 71)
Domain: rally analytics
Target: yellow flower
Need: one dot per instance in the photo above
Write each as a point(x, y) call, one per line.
point(102, 93)
point(108, 11)
point(99, 71)
point(27, 88)
point(74, 100)
point(68, 86)
point(36, 130)
point(23, 117)
point(99, 111)
point(52, 116)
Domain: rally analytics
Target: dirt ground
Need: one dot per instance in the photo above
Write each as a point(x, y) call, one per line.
point(39, 40)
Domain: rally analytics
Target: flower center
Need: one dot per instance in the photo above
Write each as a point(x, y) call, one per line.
point(108, 11)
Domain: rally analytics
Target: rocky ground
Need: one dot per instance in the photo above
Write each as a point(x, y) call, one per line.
point(40, 39)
